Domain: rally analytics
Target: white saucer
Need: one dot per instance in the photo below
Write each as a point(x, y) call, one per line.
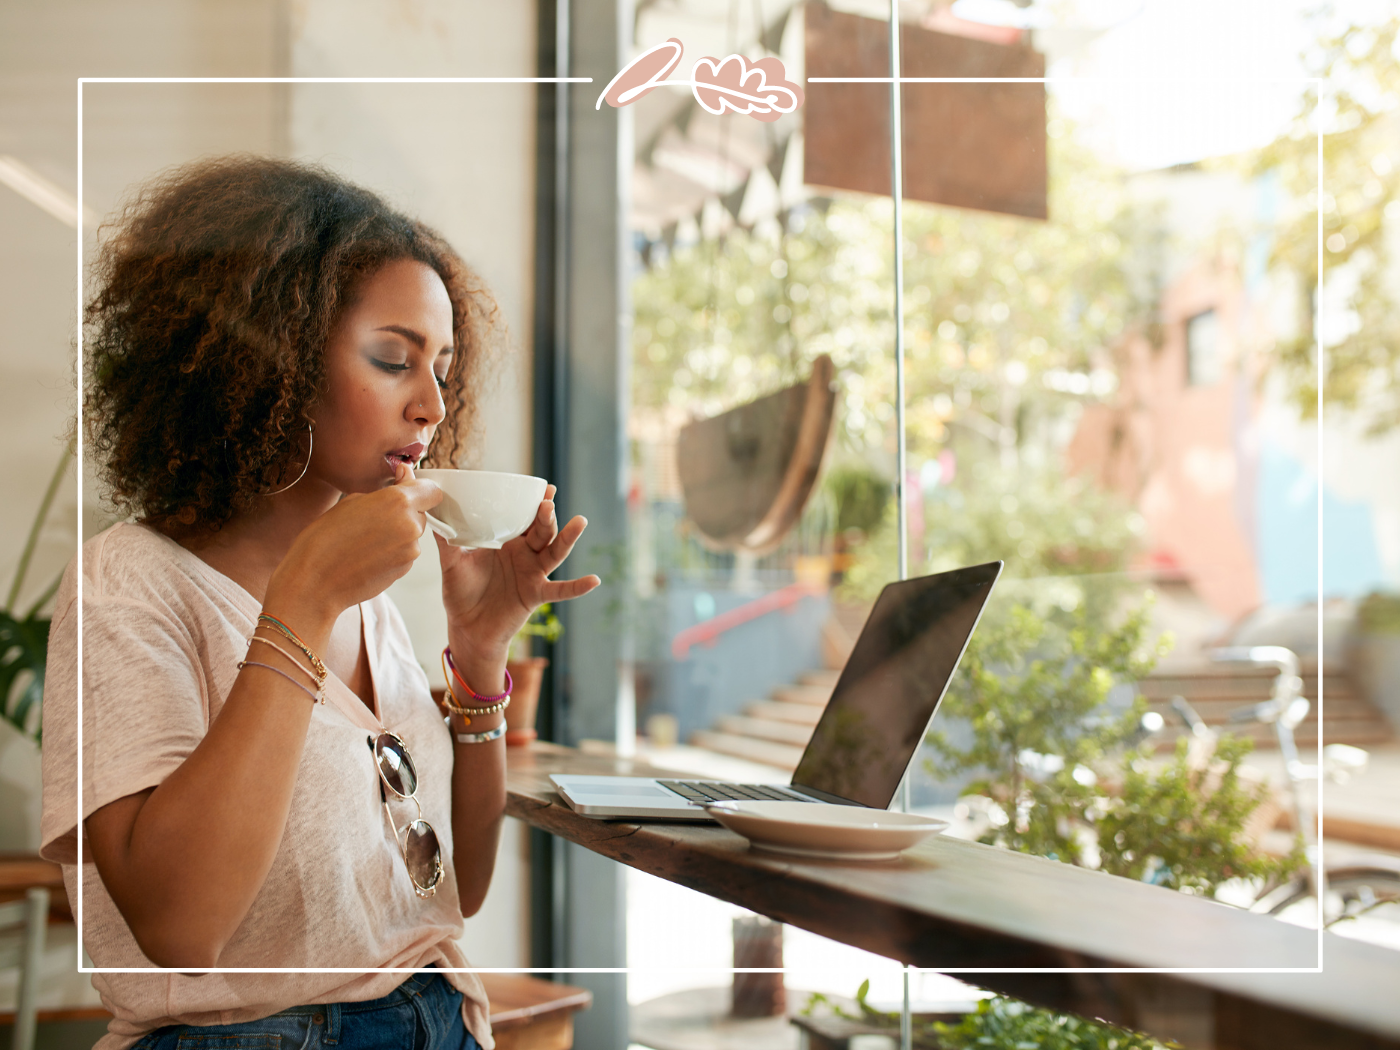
point(825, 831)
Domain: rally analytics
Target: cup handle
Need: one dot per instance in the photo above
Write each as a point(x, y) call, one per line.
point(443, 529)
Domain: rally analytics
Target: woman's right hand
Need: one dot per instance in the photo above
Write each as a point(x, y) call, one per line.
point(355, 550)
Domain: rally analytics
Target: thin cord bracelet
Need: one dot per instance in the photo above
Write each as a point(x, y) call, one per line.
point(253, 663)
point(321, 671)
point(450, 702)
point(447, 658)
point(295, 662)
point(482, 738)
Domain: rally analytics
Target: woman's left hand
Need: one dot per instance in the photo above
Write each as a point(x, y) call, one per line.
point(489, 594)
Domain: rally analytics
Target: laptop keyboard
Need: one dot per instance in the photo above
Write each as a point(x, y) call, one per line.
point(715, 791)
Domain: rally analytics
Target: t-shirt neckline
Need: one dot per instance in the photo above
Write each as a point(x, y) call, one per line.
point(227, 584)
point(243, 597)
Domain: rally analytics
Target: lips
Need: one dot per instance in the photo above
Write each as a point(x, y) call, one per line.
point(409, 454)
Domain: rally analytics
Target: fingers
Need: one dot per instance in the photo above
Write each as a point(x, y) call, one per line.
point(422, 495)
point(564, 590)
point(546, 525)
point(544, 528)
point(553, 556)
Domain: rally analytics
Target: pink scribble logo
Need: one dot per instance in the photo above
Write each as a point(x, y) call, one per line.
point(757, 88)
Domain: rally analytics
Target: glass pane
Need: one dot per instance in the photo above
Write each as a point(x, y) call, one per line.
point(763, 438)
point(1099, 398)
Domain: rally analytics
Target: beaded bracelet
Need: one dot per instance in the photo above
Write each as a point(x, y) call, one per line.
point(320, 668)
point(450, 700)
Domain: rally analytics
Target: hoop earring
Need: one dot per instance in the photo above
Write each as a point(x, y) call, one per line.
point(310, 444)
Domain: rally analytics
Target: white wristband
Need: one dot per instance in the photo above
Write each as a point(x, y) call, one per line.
point(481, 738)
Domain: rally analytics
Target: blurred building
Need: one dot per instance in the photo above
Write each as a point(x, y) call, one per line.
point(1226, 476)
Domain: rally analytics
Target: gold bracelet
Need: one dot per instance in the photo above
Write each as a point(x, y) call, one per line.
point(450, 702)
point(316, 663)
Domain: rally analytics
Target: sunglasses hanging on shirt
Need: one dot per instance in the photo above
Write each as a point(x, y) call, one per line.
point(417, 840)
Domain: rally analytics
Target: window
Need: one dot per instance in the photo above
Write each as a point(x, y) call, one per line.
point(1203, 356)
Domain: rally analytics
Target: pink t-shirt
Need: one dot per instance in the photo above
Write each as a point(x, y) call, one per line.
point(162, 636)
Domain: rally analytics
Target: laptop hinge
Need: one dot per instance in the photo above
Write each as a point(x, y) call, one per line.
point(824, 796)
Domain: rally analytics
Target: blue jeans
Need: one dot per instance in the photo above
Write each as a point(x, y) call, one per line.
point(423, 1013)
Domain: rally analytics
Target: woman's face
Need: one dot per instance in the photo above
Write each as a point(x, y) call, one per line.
point(385, 363)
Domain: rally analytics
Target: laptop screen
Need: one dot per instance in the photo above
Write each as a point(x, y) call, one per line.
point(892, 684)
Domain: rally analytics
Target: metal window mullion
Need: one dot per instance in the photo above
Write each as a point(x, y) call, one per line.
point(897, 194)
point(906, 1028)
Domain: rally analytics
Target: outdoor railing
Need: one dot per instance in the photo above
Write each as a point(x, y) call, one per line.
point(707, 632)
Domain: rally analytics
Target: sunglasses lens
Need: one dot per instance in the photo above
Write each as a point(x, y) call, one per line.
point(422, 855)
point(395, 764)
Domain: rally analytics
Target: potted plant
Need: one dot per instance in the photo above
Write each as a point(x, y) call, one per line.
point(526, 673)
point(24, 636)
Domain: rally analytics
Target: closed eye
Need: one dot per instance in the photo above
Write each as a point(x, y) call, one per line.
point(389, 366)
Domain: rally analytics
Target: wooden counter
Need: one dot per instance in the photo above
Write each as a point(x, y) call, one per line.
point(961, 907)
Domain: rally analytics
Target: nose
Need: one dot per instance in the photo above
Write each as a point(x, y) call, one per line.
point(427, 408)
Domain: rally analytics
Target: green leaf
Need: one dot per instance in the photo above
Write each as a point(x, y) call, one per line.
point(1008, 1023)
point(24, 650)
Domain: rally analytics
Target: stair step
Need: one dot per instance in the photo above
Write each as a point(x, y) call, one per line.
point(1358, 733)
point(780, 756)
point(815, 695)
point(1243, 688)
point(801, 714)
point(824, 678)
point(1216, 710)
point(1217, 690)
point(766, 729)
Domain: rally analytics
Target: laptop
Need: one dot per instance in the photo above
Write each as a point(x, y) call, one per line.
point(871, 728)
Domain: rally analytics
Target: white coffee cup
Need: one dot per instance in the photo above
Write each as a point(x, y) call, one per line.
point(483, 508)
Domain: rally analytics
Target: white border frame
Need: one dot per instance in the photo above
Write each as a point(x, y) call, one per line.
point(895, 82)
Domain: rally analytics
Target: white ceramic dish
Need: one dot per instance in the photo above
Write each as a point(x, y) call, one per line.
point(484, 508)
point(819, 829)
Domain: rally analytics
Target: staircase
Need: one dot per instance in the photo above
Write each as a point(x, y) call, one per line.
point(1215, 690)
point(773, 731)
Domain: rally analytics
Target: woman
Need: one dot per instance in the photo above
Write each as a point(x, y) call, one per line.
point(266, 780)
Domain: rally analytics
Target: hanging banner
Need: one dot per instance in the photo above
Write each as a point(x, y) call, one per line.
point(969, 145)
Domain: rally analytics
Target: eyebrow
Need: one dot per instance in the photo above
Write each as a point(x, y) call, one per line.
point(416, 338)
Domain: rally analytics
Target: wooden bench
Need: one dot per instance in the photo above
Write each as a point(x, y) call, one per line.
point(528, 1013)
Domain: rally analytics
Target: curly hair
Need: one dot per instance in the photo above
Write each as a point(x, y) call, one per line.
point(216, 297)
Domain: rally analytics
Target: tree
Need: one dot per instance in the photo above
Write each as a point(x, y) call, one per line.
point(998, 310)
point(1040, 522)
point(1035, 694)
point(1358, 107)
point(1060, 763)
point(1182, 826)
